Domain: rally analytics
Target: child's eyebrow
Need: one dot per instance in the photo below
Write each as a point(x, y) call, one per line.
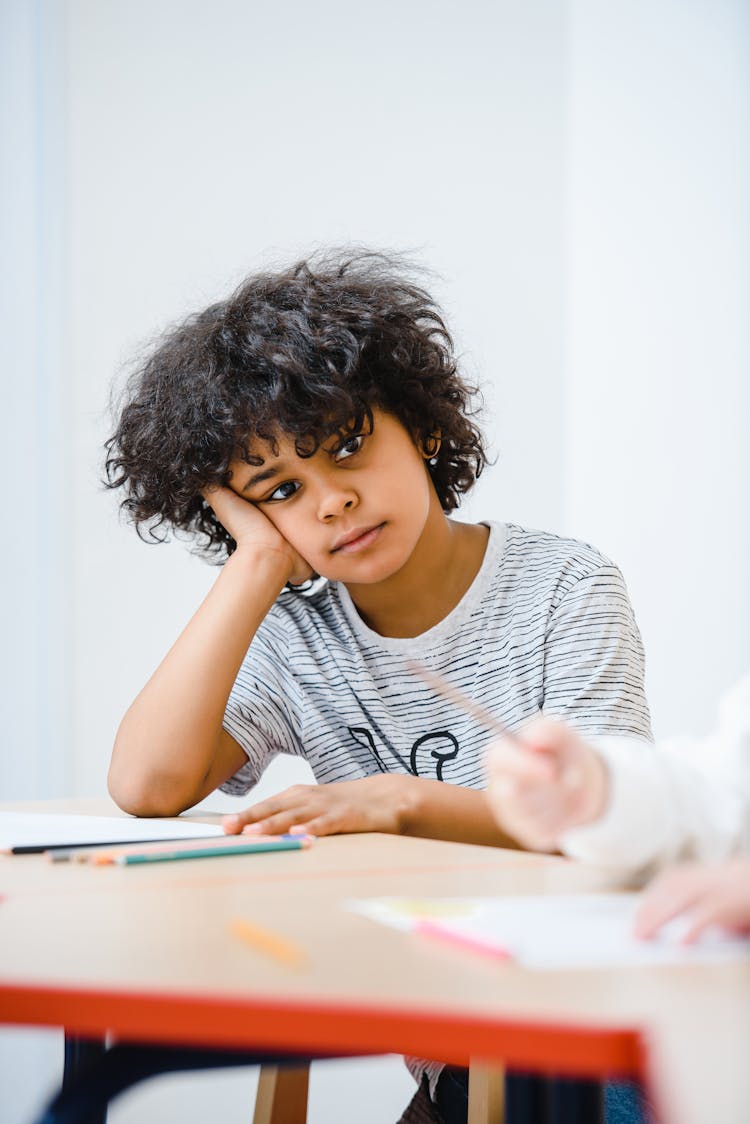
point(259, 477)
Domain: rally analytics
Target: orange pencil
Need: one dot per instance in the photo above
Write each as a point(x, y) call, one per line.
point(273, 944)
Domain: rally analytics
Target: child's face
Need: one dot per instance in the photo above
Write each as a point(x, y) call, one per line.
point(355, 510)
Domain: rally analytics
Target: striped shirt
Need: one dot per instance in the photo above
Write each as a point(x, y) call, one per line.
point(545, 625)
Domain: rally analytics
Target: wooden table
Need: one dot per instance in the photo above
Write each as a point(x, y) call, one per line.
point(146, 953)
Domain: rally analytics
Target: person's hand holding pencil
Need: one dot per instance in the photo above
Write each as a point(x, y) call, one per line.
point(543, 779)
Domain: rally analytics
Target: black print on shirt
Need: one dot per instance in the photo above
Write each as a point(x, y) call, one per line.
point(442, 747)
point(362, 735)
point(439, 746)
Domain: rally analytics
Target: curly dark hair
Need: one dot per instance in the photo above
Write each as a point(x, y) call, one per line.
point(304, 352)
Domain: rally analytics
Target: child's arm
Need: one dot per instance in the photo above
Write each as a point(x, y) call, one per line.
point(709, 895)
point(388, 802)
point(170, 749)
point(627, 804)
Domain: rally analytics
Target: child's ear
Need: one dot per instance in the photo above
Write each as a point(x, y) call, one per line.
point(431, 447)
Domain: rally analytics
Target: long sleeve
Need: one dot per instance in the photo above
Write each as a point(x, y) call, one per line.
point(680, 799)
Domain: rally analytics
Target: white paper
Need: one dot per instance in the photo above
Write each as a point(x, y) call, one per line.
point(555, 930)
point(37, 829)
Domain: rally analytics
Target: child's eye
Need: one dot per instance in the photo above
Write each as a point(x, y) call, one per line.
point(349, 447)
point(284, 492)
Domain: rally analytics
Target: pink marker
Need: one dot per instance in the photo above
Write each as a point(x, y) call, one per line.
point(473, 944)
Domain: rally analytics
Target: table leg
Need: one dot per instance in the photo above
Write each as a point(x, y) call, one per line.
point(282, 1095)
point(486, 1094)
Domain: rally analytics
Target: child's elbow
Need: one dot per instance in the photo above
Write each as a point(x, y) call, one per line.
point(141, 796)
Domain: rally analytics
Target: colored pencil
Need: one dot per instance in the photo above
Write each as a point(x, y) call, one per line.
point(251, 847)
point(183, 848)
point(471, 944)
point(442, 687)
point(266, 941)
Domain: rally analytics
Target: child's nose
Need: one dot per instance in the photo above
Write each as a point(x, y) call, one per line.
point(335, 502)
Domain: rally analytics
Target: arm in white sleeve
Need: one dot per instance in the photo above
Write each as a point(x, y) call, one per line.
point(676, 800)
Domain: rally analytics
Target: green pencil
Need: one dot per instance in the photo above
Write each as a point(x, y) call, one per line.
point(205, 851)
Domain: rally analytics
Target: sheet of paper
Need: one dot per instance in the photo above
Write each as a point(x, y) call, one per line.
point(37, 829)
point(553, 930)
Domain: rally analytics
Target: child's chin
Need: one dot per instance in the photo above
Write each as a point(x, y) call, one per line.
point(365, 575)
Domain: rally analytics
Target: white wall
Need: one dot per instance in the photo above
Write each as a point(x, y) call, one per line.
point(203, 140)
point(32, 452)
point(33, 559)
point(200, 140)
point(657, 398)
point(575, 172)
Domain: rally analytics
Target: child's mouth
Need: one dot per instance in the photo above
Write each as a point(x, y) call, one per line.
point(357, 540)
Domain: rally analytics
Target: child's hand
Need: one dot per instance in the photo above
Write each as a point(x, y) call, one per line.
point(341, 807)
point(709, 895)
point(553, 782)
point(249, 527)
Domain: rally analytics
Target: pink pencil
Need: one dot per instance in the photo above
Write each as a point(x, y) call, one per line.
point(473, 944)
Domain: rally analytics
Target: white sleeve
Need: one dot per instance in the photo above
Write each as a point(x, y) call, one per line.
point(677, 800)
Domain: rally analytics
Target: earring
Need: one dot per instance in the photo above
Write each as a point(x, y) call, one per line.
point(431, 448)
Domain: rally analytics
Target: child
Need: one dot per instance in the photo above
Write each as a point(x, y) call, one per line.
point(624, 806)
point(315, 425)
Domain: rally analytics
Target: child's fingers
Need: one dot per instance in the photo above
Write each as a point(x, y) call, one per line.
point(705, 913)
point(719, 907)
point(223, 502)
point(548, 735)
point(532, 815)
point(278, 824)
point(560, 744)
point(325, 824)
point(524, 793)
point(573, 778)
point(528, 782)
point(672, 894)
point(506, 761)
point(282, 821)
point(313, 819)
point(292, 802)
point(656, 911)
point(214, 497)
point(541, 804)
